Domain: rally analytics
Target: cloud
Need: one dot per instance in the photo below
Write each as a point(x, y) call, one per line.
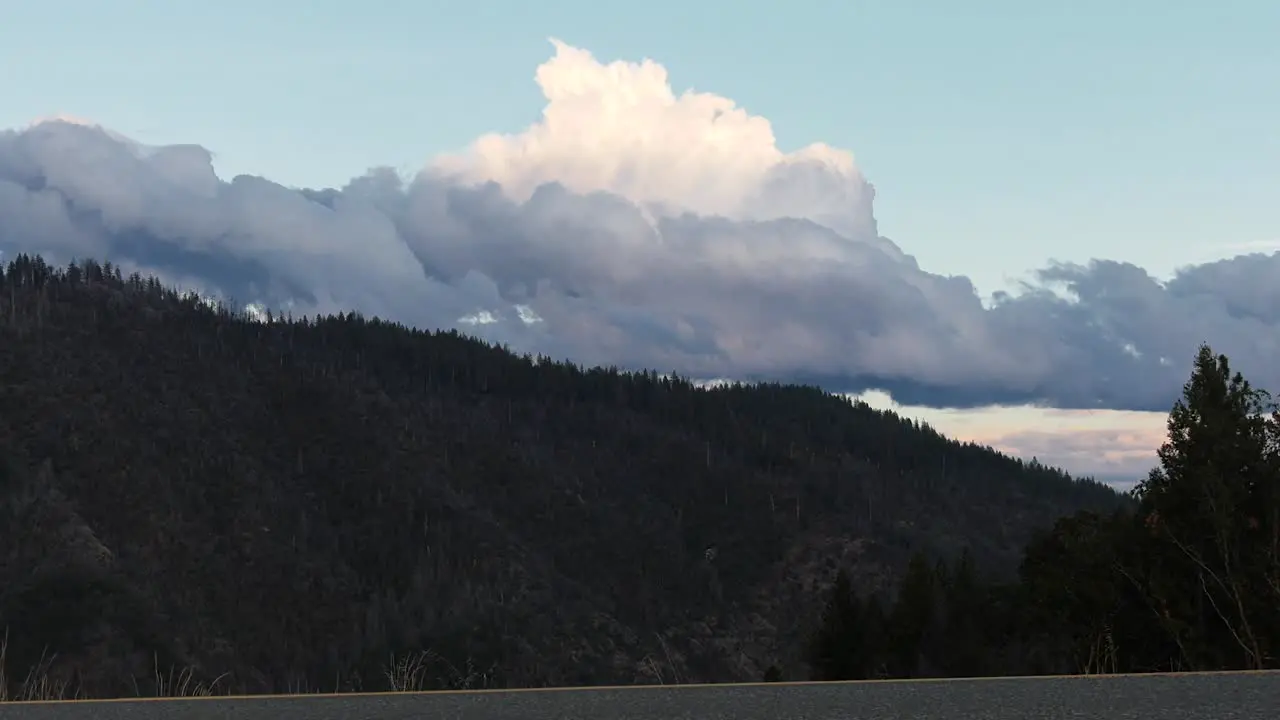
point(635, 226)
point(1112, 445)
point(1110, 452)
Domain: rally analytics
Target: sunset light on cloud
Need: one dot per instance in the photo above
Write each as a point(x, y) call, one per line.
point(1116, 446)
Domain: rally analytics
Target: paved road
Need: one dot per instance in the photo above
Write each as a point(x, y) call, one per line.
point(1224, 696)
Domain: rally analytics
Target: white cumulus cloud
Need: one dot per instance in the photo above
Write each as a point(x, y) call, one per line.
point(643, 227)
point(621, 128)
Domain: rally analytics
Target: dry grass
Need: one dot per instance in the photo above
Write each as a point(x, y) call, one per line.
point(39, 683)
point(411, 673)
point(654, 668)
point(183, 684)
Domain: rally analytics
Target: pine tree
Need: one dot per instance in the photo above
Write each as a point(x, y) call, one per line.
point(844, 647)
point(913, 616)
point(1212, 492)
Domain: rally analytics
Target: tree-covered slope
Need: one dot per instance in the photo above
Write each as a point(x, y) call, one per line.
point(296, 502)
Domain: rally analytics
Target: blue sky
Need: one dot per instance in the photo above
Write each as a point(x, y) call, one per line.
point(999, 134)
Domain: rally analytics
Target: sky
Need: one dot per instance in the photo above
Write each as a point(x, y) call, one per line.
point(837, 203)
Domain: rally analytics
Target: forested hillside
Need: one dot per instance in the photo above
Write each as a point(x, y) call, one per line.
point(298, 504)
point(1186, 580)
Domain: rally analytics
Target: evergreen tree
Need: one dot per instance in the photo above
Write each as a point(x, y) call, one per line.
point(1211, 503)
point(912, 617)
point(844, 647)
point(964, 644)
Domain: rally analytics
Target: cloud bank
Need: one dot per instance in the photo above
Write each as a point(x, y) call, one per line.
point(638, 227)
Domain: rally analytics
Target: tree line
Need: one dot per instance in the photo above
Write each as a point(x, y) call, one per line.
point(1186, 578)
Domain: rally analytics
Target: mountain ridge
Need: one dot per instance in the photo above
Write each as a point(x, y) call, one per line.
point(292, 501)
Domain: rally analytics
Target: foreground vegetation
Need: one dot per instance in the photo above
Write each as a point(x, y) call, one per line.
point(1187, 579)
point(195, 501)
